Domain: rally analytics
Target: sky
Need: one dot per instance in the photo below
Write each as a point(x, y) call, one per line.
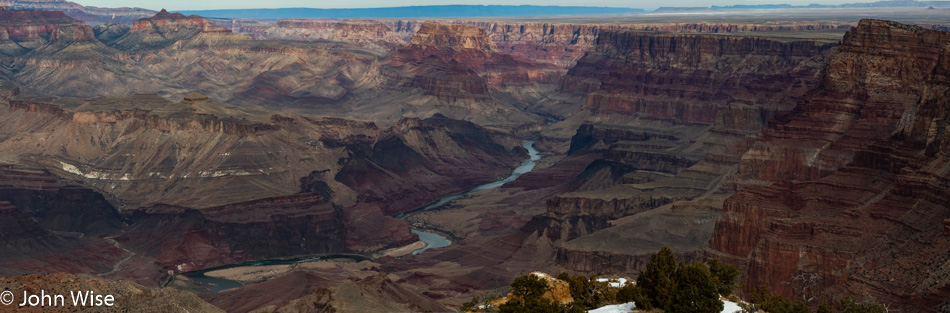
point(174, 5)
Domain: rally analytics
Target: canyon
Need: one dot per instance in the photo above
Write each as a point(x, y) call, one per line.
point(137, 152)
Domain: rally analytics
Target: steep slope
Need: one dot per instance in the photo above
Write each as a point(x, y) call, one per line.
point(851, 188)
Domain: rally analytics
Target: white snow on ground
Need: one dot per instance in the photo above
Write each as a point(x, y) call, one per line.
point(616, 283)
point(730, 307)
point(614, 308)
point(727, 307)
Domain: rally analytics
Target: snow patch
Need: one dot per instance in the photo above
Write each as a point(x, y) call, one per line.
point(72, 169)
point(730, 307)
point(223, 173)
point(727, 307)
point(615, 283)
point(615, 308)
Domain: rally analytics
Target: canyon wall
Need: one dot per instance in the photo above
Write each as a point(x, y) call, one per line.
point(562, 44)
point(855, 179)
point(666, 118)
point(367, 34)
point(689, 78)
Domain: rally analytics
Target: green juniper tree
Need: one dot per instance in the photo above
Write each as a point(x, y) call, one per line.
point(656, 280)
point(695, 291)
point(724, 276)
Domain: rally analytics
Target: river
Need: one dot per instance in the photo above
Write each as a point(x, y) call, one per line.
point(432, 240)
point(214, 284)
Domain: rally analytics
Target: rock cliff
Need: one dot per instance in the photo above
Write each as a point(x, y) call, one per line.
point(852, 184)
point(879, 72)
point(562, 44)
point(689, 78)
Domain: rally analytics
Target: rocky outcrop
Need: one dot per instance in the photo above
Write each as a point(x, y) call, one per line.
point(857, 174)
point(165, 29)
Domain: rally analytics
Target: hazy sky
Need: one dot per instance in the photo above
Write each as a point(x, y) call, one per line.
point(239, 4)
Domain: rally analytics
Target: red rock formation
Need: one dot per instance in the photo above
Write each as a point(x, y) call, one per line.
point(21, 25)
point(562, 44)
point(879, 71)
point(689, 78)
point(858, 176)
point(88, 14)
point(168, 23)
point(460, 62)
point(164, 29)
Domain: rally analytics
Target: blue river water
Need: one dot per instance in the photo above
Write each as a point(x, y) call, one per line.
point(214, 284)
point(436, 241)
point(432, 240)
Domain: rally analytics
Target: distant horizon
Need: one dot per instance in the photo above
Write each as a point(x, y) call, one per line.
point(179, 5)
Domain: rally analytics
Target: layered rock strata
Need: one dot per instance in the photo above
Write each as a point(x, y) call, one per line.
point(851, 187)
